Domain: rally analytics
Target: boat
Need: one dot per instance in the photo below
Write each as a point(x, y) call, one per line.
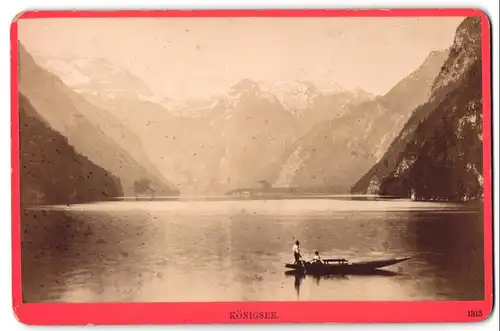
point(341, 275)
point(343, 266)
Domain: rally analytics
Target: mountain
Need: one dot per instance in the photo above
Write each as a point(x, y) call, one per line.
point(295, 96)
point(169, 141)
point(102, 82)
point(301, 97)
point(186, 149)
point(309, 104)
point(224, 142)
point(92, 131)
point(95, 76)
point(99, 77)
point(335, 153)
point(242, 139)
point(409, 93)
point(256, 134)
point(235, 139)
point(51, 171)
point(438, 153)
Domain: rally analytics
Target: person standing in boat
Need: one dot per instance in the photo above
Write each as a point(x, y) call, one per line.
point(296, 253)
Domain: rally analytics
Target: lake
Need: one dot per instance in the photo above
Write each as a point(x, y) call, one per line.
point(235, 250)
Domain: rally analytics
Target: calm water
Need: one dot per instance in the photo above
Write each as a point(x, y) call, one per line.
point(236, 250)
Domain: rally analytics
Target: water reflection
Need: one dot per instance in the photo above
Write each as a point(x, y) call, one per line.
point(299, 276)
point(451, 247)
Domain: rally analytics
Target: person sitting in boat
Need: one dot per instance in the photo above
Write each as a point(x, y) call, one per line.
point(296, 253)
point(317, 258)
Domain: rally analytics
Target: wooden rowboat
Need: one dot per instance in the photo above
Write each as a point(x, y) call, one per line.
point(343, 266)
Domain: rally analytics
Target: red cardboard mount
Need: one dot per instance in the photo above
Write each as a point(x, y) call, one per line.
point(253, 312)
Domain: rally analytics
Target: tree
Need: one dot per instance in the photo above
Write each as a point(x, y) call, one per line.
point(265, 185)
point(143, 186)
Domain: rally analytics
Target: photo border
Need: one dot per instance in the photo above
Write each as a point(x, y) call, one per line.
point(254, 312)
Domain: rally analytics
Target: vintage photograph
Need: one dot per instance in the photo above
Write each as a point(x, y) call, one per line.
point(176, 159)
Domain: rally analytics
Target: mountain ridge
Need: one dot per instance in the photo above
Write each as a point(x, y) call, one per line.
point(233, 130)
point(292, 94)
point(222, 143)
point(337, 152)
point(49, 95)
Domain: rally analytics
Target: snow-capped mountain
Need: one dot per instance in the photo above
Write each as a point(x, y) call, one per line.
point(92, 131)
point(99, 77)
point(95, 76)
point(295, 96)
point(223, 134)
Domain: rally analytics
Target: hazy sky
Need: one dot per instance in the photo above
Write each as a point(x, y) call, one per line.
point(190, 57)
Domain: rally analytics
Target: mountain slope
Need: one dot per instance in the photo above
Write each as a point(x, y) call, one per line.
point(408, 94)
point(438, 154)
point(68, 113)
point(51, 171)
point(240, 141)
point(256, 135)
point(414, 89)
point(185, 149)
point(336, 153)
point(95, 75)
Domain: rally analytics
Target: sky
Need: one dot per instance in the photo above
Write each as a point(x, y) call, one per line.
point(198, 57)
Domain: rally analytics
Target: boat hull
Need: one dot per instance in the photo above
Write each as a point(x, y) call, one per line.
point(344, 267)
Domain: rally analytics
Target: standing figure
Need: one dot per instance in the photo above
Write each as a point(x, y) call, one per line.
point(296, 253)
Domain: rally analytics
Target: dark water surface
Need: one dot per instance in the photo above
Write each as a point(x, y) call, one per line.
point(236, 250)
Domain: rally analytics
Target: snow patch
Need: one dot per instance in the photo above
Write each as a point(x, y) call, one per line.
point(68, 72)
point(292, 95)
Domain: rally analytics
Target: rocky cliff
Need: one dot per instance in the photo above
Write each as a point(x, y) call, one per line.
point(438, 154)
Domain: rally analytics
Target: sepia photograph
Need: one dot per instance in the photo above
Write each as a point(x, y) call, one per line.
point(251, 159)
